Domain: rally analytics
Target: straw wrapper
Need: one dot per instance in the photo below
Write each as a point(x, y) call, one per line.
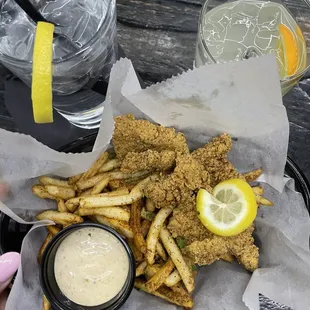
point(243, 99)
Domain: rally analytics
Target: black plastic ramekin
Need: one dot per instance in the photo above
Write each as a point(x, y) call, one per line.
point(51, 289)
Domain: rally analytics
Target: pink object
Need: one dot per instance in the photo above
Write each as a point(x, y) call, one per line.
point(9, 263)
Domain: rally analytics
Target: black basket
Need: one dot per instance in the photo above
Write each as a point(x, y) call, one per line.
point(12, 233)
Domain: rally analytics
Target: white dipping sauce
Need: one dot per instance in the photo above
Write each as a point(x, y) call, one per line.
point(91, 266)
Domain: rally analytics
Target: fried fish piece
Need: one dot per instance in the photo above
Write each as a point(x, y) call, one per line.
point(168, 190)
point(131, 135)
point(148, 160)
point(185, 224)
point(215, 247)
point(213, 156)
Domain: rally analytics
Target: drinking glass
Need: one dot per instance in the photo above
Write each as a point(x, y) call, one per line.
point(91, 26)
point(237, 30)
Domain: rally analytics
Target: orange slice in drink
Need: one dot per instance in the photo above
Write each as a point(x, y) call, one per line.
point(291, 47)
point(41, 88)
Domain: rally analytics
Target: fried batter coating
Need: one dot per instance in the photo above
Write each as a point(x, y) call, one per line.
point(215, 247)
point(188, 176)
point(131, 135)
point(148, 160)
point(202, 246)
point(185, 223)
point(213, 156)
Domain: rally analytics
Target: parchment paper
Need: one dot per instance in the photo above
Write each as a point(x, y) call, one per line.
point(243, 99)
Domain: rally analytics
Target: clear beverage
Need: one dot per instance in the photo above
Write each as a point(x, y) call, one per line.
point(91, 25)
point(237, 30)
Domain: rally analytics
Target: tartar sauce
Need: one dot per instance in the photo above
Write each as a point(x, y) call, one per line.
point(91, 266)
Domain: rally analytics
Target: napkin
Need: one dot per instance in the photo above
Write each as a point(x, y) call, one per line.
point(241, 98)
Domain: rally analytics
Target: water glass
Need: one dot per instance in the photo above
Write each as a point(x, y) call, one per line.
point(91, 26)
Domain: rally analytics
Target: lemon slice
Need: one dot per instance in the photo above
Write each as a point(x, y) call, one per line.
point(230, 210)
point(41, 89)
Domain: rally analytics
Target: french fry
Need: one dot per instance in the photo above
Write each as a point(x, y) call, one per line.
point(166, 294)
point(170, 281)
point(72, 204)
point(139, 257)
point(122, 227)
point(52, 181)
point(84, 184)
point(72, 180)
point(46, 304)
point(63, 218)
point(116, 184)
point(252, 175)
point(258, 190)
point(61, 206)
point(135, 223)
point(160, 276)
point(149, 205)
point(134, 195)
point(153, 234)
point(120, 191)
point(86, 193)
point(110, 165)
point(173, 279)
point(141, 269)
point(116, 213)
point(261, 201)
point(145, 226)
point(40, 191)
point(118, 175)
point(60, 192)
point(228, 258)
point(98, 188)
point(103, 158)
point(151, 270)
point(46, 241)
point(53, 229)
point(177, 258)
point(161, 251)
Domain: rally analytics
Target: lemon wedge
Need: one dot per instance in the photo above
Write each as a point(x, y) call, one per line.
point(41, 88)
point(230, 210)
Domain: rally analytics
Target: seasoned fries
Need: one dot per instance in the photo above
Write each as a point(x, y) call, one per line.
point(177, 258)
point(84, 184)
point(110, 165)
point(141, 269)
point(253, 175)
point(61, 206)
point(153, 235)
point(154, 212)
point(53, 229)
point(96, 166)
point(160, 276)
point(52, 181)
point(46, 304)
point(60, 192)
point(173, 279)
point(46, 241)
point(167, 294)
point(135, 223)
point(116, 213)
point(41, 192)
point(62, 218)
point(100, 186)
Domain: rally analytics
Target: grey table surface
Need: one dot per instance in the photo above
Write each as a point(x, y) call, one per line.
point(159, 37)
